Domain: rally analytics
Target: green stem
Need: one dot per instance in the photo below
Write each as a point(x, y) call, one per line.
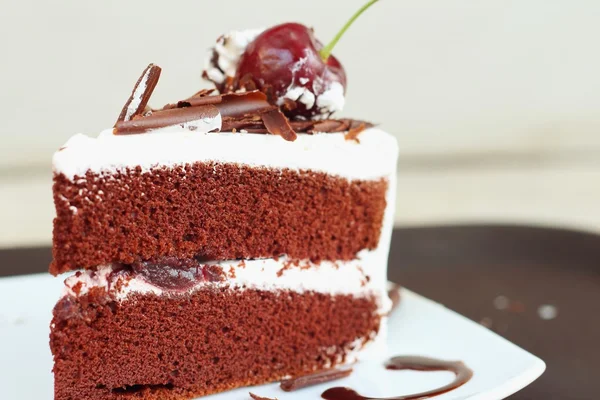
point(326, 51)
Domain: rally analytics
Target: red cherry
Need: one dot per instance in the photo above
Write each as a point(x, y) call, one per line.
point(288, 63)
point(284, 61)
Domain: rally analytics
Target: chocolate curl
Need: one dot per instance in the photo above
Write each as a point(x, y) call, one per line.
point(315, 379)
point(394, 295)
point(164, 118)
point(239, 110)
point(252, 124)
point(257, 397)
point(277, 124)
point(137, 102)
point(202, 93)
point(200, 98)
point(240, 105)
point(353, 133)
point(330, 125)
point(200, 101)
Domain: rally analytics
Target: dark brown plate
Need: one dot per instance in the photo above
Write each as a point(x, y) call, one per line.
point(467, 267)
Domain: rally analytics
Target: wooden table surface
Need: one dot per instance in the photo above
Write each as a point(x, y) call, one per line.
point(499, 276)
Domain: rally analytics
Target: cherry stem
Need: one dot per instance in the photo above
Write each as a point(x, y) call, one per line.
point(326, 51)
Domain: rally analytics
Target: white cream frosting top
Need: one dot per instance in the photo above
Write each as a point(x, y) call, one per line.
point(373, 157)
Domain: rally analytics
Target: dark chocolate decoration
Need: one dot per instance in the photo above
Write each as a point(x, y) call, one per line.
point(277, 124)
point(195, 100)
point(174, 273)
point(394, 295)
point(240, 105)
point(253, 125)
point(202, 93)
point(250, 111)
point(200, 101)
point(257, 397)
point(462, 375)
point(353, 133)
point(150, 76)
point(162, 118)
point(329, 125)
point(290, 385)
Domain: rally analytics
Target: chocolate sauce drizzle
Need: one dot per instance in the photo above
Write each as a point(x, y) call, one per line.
point(462, 375)
point(290, 385)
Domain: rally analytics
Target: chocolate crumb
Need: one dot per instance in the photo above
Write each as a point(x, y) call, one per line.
point(257, 397)
point(290, 385)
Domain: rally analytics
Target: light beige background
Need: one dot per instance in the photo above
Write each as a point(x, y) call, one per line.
point(495, 103)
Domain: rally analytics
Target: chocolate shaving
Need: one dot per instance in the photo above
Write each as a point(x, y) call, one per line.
point(315, 379)
point(330, 125)
point(136, 104)
point(249, 111)
point(394, 295)
point(257, 397)
point(289, 104)
point(202, 93)
point(251, 124)
point(164, 118)
point(277, 124)
point(240, 105)
point(199, 101)
point(247, 83)
point(353, 133)
point(302, 126)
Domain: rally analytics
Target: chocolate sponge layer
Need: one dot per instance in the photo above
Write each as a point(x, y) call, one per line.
point(213, 211)
point(215, 339)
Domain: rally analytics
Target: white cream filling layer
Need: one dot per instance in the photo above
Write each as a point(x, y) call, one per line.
point(334, 278)
point(373, 158)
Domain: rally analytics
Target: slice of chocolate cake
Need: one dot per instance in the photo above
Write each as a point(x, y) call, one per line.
point(222, 241)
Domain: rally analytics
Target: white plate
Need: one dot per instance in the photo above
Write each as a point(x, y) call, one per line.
point(418, 327)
